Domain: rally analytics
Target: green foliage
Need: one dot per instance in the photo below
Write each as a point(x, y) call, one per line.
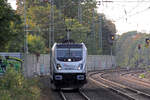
point(108, 28)
point(36, 44)
point(85, 29)
point(10, 63)
point(127, 50)
point(17, 39)
point(78, 31)
point(39, 23)
point(10, 28)
point(142, 76)
point(15, 87)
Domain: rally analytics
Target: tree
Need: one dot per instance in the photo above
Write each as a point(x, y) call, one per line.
point(36, 44)
point(127, 51)
point(78, 31)
point(9, 26)
point(108, 28)
point(66, 15)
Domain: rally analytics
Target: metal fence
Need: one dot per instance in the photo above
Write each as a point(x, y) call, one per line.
point(12, 54)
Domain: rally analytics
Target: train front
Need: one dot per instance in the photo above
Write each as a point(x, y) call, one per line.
point(70, 65)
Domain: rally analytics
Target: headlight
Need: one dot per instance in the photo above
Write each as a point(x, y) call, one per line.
point(58, 66)
point(80, 66)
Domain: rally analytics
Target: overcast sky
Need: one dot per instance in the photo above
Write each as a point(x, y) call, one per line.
point(13, 3)
point(126, 14)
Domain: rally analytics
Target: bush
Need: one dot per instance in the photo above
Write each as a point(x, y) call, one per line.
point(15, 87)
point(142, 76)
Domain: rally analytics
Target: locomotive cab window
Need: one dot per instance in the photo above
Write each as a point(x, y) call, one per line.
point(69, 54)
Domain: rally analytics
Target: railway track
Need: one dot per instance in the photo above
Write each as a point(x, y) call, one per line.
point(143, 84)
point(130, 93)
point(133, 78)
point(79, 95)
point(134, 75)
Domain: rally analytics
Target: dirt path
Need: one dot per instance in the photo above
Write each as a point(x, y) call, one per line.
point(47, 93)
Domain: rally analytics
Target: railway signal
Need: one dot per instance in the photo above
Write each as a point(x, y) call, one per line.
point(139, 46)
point(111, 39)
point(147, 41)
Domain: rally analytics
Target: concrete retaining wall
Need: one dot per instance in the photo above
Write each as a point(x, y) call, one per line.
point(40, 65)
point(36, 65)
point(99, 62)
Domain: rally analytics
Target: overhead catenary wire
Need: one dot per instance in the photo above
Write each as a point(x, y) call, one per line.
point(134, 14)
point(127, 13)
point(120, 1)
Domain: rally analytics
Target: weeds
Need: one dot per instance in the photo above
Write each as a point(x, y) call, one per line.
point(13, 86)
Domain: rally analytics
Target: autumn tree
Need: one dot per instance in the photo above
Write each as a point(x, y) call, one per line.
point(85, 26)
point(127, 51)
point(10, 28)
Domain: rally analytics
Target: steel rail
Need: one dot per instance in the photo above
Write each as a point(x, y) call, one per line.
point(114, 84)
point(84, 95)
point(113, 89)
point(145, 83)
point(62, 95)
point(80, 93)
point(126, 87)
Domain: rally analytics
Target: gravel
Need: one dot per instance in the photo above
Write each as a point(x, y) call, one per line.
point(93, 91)
point(96, 92)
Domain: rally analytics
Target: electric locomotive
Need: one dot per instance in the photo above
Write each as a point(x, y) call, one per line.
point(68, 65)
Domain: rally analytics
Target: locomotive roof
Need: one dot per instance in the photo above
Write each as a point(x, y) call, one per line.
point(69, 45)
